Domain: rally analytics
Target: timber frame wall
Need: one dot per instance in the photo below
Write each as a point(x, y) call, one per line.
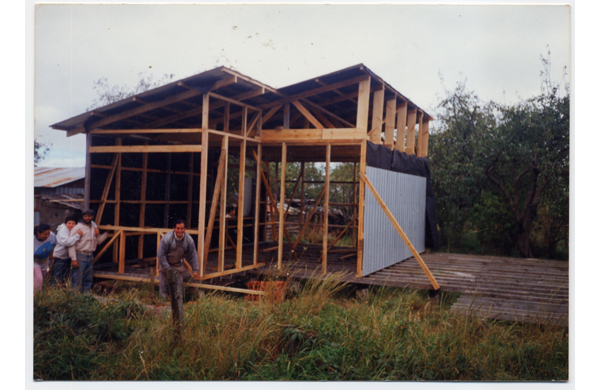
point(183, 133)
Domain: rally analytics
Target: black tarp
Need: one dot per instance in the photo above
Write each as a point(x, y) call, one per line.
point(380, 156)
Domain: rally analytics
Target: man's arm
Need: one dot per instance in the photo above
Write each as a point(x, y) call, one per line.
point(192, 256)
point(163, 248)
point(72, 249)
point(63, 237)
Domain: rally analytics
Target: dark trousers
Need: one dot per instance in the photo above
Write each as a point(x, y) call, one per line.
point(61, 271)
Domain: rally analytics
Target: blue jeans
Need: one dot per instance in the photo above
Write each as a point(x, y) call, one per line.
point(83, 275)
point(60, 272)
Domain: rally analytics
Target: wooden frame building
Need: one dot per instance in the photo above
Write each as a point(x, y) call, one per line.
point(165, 154)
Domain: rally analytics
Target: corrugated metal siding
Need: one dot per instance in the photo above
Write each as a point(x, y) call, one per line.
point(404, 195)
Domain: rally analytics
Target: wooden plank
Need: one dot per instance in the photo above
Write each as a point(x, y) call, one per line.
point(419, 133)
point(257, 205)
point(308, 115)
point(223, 220)
point(410, 246)
point(146, 149)
point(270, 113)
point(410, 133)
point(145, 108)
point(390, 122)
point(339, 236)
point(117, 211)
point(286, 116)
point(401, 125)
point(202, 258)
point(232, 271)
point(205, 110)
point(213, 211)
point(362, 107)
point(313, 136)
point(230, 100)
point(190, 191)
point(142, 219)
point(108, 244)
point(423, 148)
point(377, 119)
point(281, 203)
point(240, 210)
point(361, 210)
point(107, 184)
point(122, 241)
point(226, 117)
point(148, 130)
point(88, 173)
point(326, 208)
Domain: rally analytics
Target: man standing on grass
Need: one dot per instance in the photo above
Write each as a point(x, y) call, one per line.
point(175, 246)
point(82, 253)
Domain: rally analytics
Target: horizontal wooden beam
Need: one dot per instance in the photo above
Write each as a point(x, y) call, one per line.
point(146, 149)
point(146, 131)
point(312, 135)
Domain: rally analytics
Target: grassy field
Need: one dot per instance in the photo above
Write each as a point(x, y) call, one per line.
point(323, 331)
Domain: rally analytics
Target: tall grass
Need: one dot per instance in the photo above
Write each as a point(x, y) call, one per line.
point(321, 332)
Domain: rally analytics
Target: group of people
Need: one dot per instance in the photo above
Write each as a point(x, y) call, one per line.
point(70, 253)
point(66, 254)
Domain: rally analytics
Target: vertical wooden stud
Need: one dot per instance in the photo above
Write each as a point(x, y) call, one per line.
point(226, 117)
point(286, 116)
point(142, 220)
point(88, 172)
point(223, 220)
point(410, 133)
point(202, 202)
point(401, 125)
point(240, 209)
point(362, 105)
point(257, 204)
point(390, 122)
point(117, 211)
point(420, 133)
point(425, 139)
point(377, 120)
point(205, 104)
point(122, 241)
point(326, 209)
point(361, 211)
point(281, 202)
point(190, 190)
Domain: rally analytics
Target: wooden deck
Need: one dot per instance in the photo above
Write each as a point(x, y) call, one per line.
point(513, 289)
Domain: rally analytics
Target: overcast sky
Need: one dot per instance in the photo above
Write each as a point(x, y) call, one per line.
point(496, 49)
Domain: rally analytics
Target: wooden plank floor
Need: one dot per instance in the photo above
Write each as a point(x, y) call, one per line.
point(504, 288)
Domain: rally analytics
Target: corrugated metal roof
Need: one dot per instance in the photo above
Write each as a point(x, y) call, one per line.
point(54, 177)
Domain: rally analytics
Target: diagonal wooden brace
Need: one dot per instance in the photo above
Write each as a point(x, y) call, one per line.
point(410, 246)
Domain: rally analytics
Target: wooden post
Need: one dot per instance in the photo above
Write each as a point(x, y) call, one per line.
point(354, 209)
point(202, 258)
point(117, 212)
point(167, 193)
point(377, 120)
point(111, 174)
point(390, 122)
point(281, 202)
point(420, 133)
point(226, 116)
point(425, 140)
point(286, 116)
point(326, 209)
point(88, 172)
point(142, 220)
point(257, 204)
point(362, 105)
point(176, 295)
point(190, 190)
point(240, 208)
point(410, 134)
point(223, 220)
point(213, 206)
point(401, 125)
point(361, 210)
point(410, 246)
point(122, 241)
point(302, 167)
point(205, 110)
